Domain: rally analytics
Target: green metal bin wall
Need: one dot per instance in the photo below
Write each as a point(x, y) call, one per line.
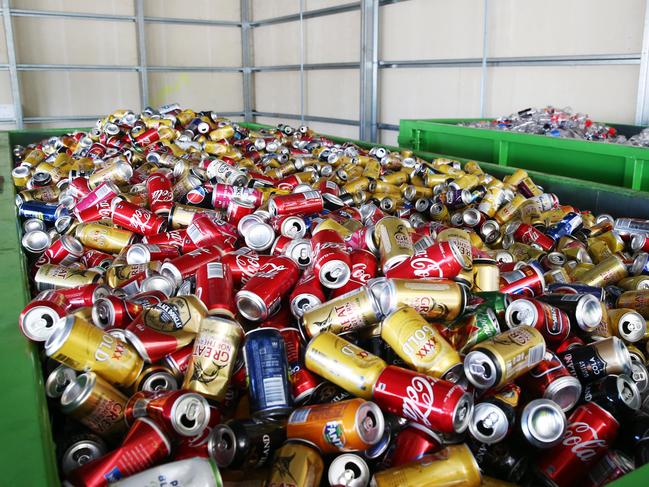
point(614, 164)
point(27, 455)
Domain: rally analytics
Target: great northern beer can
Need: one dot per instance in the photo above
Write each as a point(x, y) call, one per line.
point(343, 363)
point(395, 242)
point(419, 343)
point(351, 425)
point(501, 359)
point(82, 346)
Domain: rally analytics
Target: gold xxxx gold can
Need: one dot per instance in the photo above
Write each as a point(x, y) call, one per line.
point(82, 346)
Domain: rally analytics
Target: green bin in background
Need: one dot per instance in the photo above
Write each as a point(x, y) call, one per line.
point(601, 162)
point(27, 455)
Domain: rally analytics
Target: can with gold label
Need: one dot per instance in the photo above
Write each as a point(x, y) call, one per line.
point(419, 343)
point(501, 359)
point(635, 283)
point(82, 346)
point(353, 310)
point(395, 242)
point(486, 275)
point(454, 465)
point(96, 404)
point(117, 275)
point(102, 237)
point(350, 425)
point(343, 363)
point(609, 271)
point(627, 324)
point(440, 299)
point(51, 276)
point(636, 300)
point(297, 463)
point(507, 212)
point(213, 357)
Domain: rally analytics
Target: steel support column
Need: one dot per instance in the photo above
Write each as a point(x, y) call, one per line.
point(642, 100)
point(247, 60)
point(141, 53)
point(369, 70)
point(11, 58)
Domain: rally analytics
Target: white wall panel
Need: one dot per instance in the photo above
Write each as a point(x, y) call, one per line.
point(559, 27)
point(51, 93)
point(115, 7)
point(265, 9)
point(221, 92)
point(427, 93)
point(192, 45)
point(431, 29)
point(3, 44)
point(333, 38)
point(277, 92)
point(276, 44)
point(332, 93)
point(605, 92)
point(72, 41)
point(348, 131)
point(388, 137)
point(194, 9)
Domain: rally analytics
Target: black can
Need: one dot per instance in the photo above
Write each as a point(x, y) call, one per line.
point(617, 394)
point(584, 310)
point(597, 360)
point(241, 445)
point(500, 460)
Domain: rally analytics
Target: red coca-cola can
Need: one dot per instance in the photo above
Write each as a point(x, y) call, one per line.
point(178, 361)
point(442, 259)
point(262, 295)
point(223, 194)
point(160, 193)
point(590, 433)
point(215, 287)
point(550, 379)
point(106, 191)
point(177, 238)
point(362, 239)
point(63, 251)
point(96, 258)
point(434, 403)
point(307, 293)
point(82, 296)
point(38, 319)
point(176, 412)
point(237, 210)
point(305, 203)
point(530, 235)
point(114, 312)
point(143, 253)
point(145, 445)
point(364, 268)
point(206, 231)
point(199, 445)
point(410, 444)
point(332, 263)
point(327, 186)
point(303, 381)
point(146, 137)
point(101, 211)
point(78, 187)
point(291, 226)
point(136, 219)
point(244, 263)
point(527, 280)
point(551, 321)
point(187, 264)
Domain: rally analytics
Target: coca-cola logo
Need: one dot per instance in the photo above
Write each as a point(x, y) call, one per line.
point(418, 401)
point(359, 273)
point(161, 196)
point(583, 448)
point(270, 270)
point(425, 267)
point(140, 219)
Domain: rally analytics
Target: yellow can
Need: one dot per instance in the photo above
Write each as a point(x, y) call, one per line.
point(102, 237)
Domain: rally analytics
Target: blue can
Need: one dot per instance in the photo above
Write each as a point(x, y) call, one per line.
point(265, 354)
point(43, 211)
point(458, 198)
point(559, 287)
point(568, 224)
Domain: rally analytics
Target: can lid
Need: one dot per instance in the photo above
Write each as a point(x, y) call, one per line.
point(40, 321)
point(58, 380)
point(103, 313)
point(160, 380)
point(628, 392)
point(222, 445)
point(251, 306)
point(302, 303)
point(293, 227)
point(637, 242)
point(158, 282)
point(543, 423)
point(138, 254)
point(77, 392)
point(259, 236)
point(62, 330)
point(639, 263)
point(190, 414)
point(36, 241)
point(169, 270)
point(588, 312)
point(349, 470)
point(299, 250)
point(334, 274)
point(489, 423)
point(640, 376)
point(481, 369)
point(370, 423)
point(32, 224)
point(632, 326)
point(521, 312)
point(80, 453)
point(565, 391)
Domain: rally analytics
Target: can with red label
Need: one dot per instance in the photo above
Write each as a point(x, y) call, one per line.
point(550, 379)
point(364, 268)
point(442, 259)
point(303, 381)
point(530, 235)
point(261, 296)
point(527, 280)
point(590, 433)
point(215, 287)
point(136, 219)
point(160, 193)
point(552, 322)
point(434, 403)
point(223, 194)
point(305, 203)
point(332, 263)
point(187, 264)
point(412, 443)
point(63, 251)
point(244, 263)
point(308, 293)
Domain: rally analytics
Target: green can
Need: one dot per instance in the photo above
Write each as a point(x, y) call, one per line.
point(472, 328)
point(493, 300)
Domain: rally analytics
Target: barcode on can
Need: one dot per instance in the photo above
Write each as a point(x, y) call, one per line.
point(311, 195)
point(274, 389)
point(102, 191)
point(536, 354)
point(193, 233)
point(215, 270)
point(299, 416)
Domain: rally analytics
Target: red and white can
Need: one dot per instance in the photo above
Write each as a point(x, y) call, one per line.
point(552, 322)
point(199, 445)
point(63, 251)
point(215, 287)
point(96, 258)
point(410, 444)
point(527, 280)
point(101, 211)
point(237, 209)
point(308, 293)
point(434, 403)
point(177, 238)
point(206, 231)
point(160, 193)
point(305, 203)
point(303, 381)
point(187, 264)
point(82, 296)
point(530, 235)
point(145, 445)
point(223, 194)
point(364, 268)
point(262, 295)
point(143, 253)
point(332, 263)
point(106, 191)
point(442, 259)
point(244, 263)
point(550, 379)
point(590, 433)
point(136, 219)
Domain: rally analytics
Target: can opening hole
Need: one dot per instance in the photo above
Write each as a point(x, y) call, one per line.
point(158, 384)
point(331, 276)
point(303, 303)
point(187, 422)
point(48, 321)
point(295, 227)
point(83, 456)
point(484, 428)
point(225, 442)
point(370, 420)
point(516, 317)
point(627, 327)
point(627, 393)
point(487, 371)
point(354, 469)
point(304, 260)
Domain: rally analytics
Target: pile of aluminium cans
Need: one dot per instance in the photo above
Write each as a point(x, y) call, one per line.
point(561, 122)
point(224, 305)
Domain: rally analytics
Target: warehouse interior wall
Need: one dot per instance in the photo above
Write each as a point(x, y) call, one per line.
point(435, 59)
